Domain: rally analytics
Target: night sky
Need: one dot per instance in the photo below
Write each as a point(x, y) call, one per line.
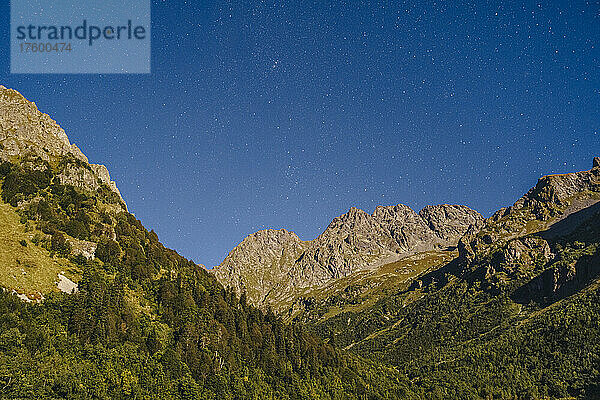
point(286, 114)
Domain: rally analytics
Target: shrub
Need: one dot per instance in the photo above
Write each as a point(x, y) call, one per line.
point(59, 243)
point(5, 168)
point(77, 229)
point(108, 251)
point(23, 183)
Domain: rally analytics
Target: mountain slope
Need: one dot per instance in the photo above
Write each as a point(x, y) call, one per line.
point(27, 133)
point(514, 316)
point(41, 173)
point(510, 313)
point(275, 268)
point(144, 322)
point(29, 270)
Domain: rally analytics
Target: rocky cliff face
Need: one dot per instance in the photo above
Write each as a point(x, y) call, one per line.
point(273, 266)
point(27, 133)
point(553, 228)
point(556, 204)
point(262, 261)
point(55, 205)
point(556, 191)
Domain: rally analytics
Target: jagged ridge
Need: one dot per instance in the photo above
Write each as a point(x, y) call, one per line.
point(27, 132)
point(271, 266)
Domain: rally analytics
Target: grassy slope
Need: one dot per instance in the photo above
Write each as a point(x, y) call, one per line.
point(27, 269)
point(363, 289)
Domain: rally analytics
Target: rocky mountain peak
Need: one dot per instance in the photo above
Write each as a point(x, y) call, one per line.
point(449, 221)
point(557, 203)
point(25, 132)
point(353, 216)
point(354, 220)
point(557, 189)
point(260, 261)
point(267, 240)
point(261, 248)
point(399, 212)
point(272, 265)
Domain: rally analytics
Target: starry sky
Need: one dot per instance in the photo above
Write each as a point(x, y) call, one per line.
point(284, 114)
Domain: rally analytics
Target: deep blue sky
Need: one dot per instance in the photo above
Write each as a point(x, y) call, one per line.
point(285, 114)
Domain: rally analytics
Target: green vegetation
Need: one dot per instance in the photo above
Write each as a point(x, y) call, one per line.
point(488, 329)
point(363, 289)
point(147, 323)
point(515, 316)
point(25, 267)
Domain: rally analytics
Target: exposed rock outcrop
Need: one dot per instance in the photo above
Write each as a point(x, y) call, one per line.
point(555, 190)
point(529, 238)
point(83, 248)
point(357, 240)
point(555, 206)
point(260, 261)
point(271, 265)
point(27, 132)
point(55, 198)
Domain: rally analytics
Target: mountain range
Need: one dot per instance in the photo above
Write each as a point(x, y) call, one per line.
point(442, 303)
point(274, 267)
